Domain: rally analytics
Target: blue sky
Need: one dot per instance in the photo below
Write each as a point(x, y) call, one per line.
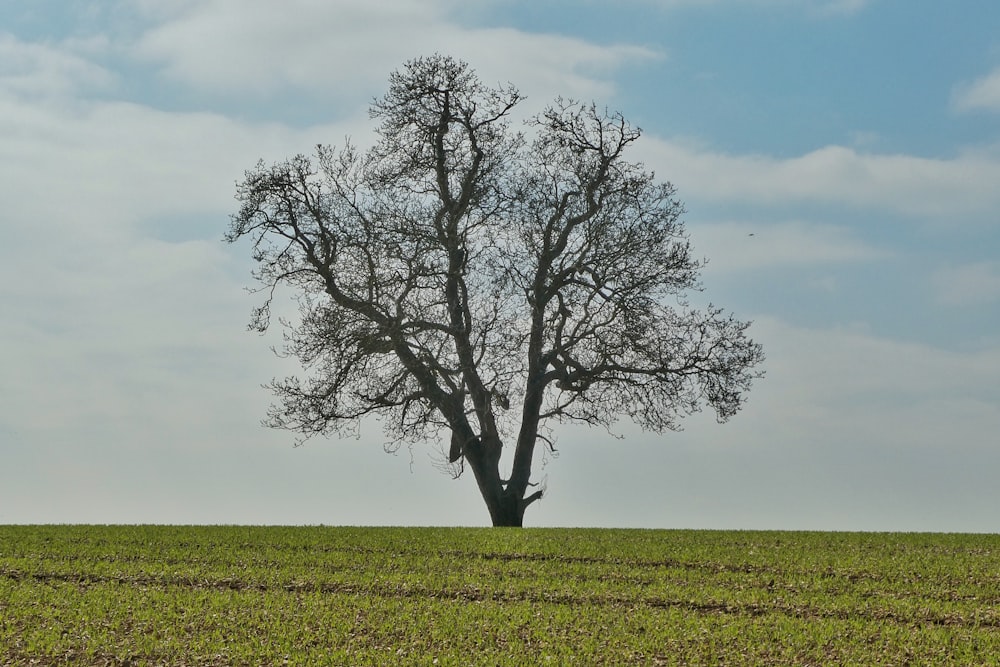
point(858, 141)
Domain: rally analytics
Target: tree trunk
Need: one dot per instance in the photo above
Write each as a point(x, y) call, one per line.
point(504, 505)
point(505, 511)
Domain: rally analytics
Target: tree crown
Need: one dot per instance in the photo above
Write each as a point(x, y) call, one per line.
point(460, 275)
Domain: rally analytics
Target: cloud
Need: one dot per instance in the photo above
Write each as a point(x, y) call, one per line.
point(97, 168)
point(40, 70)
point(877, 403)
point(346, 49)
point(848, 430)
point(851, 364)
point(747, 246)
point(849, 388)
point(980, 95)
point(974, 284)
point(123, 309)
point(963, 187)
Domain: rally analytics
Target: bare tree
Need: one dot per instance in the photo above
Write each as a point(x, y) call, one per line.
point(459, 278)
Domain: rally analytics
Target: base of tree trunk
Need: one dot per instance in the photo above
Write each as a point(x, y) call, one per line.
point(506, 513)
point(512, 522)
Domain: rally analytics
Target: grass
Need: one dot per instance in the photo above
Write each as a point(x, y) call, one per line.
point(165, 595)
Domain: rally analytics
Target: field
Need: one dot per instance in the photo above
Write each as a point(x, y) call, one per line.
point(163, 595)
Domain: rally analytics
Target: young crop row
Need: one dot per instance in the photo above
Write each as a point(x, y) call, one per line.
point(239, 595)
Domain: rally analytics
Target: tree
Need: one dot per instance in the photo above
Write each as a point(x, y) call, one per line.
point(461, 278)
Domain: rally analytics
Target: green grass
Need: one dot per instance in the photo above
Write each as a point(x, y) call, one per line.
point(163, 595)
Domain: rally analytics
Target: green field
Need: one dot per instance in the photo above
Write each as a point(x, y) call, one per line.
point(152, 595)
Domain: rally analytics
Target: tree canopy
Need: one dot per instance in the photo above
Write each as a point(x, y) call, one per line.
point(472, 283)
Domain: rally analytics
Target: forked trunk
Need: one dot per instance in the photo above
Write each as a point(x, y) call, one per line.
point(505, 506)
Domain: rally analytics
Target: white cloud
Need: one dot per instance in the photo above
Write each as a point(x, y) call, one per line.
point(848, 430)
point(878, 403)
point(346, 49)
point(967, 285)
point(850, 364)
point(114, 328)
point(40, 70)
point(742, 246)
point(97, 168)
point(849, 388)
point(980, 95)
point(958, 189)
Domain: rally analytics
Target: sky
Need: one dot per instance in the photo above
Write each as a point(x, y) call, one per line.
point(839, 161)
